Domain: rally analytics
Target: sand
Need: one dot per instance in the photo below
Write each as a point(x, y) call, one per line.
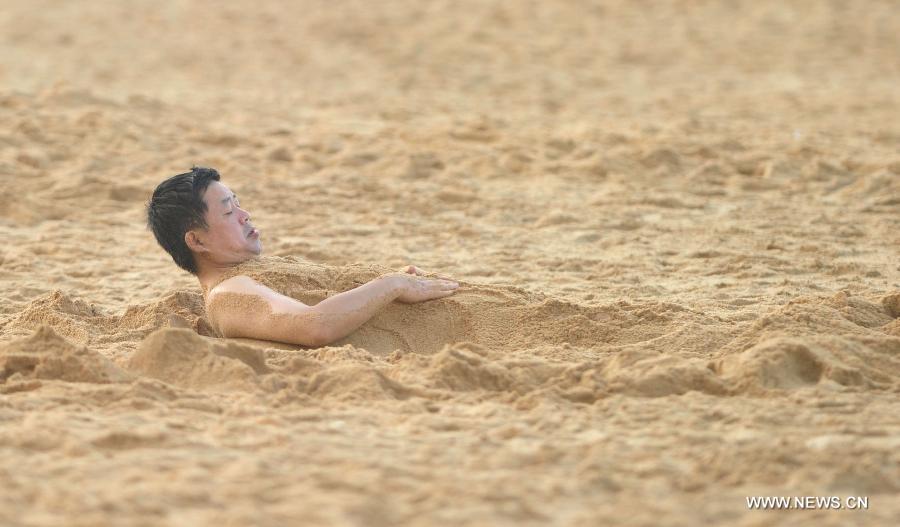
point(675, 225)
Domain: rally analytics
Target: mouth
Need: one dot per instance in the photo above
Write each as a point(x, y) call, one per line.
point(253, 233)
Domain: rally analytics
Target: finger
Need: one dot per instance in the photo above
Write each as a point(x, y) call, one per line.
point(412, 269)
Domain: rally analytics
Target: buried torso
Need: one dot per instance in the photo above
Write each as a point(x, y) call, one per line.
point(499, 317)
point(422, 327)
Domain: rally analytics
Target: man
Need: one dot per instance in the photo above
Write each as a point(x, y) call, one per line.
point(200, 223)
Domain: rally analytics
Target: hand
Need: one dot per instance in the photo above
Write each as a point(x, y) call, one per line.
point(414, 289)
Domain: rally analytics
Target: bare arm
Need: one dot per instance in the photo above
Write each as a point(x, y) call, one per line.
point(343, 313)
point(241, 307)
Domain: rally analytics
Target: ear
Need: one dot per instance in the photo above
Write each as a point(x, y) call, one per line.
point(193, 242)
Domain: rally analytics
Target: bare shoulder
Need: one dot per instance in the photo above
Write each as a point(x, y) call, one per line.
point(242, 307)
point(252, 294)
point(241, 284)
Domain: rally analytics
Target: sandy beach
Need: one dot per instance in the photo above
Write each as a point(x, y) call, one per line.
point(675, 225)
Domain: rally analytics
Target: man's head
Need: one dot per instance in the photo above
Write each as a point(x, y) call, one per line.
point(196, 218)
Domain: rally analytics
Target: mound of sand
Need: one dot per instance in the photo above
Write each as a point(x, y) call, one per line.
point(843, 339)
point(177, 308)
point(47, 355)
point(88, 324)
point(183, 358)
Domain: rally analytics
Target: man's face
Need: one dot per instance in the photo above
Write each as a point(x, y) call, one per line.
point(229, 237)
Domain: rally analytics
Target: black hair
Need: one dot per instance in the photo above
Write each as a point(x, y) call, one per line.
point(176, 207)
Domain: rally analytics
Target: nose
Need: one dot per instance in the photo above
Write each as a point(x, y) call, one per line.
point(246, 216)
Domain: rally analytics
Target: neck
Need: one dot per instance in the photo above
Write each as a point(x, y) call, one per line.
point(211, 273)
